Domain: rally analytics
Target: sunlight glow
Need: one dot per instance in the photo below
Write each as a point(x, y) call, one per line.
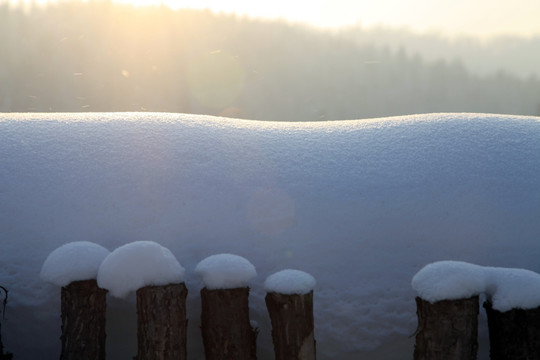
point(451, 17)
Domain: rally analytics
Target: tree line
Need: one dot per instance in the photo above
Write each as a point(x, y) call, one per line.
point(99, 56)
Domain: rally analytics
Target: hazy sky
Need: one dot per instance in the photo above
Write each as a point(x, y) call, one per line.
point(475, 17)
point(471, 17)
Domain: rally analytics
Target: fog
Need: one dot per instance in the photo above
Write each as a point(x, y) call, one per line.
point(100, 56)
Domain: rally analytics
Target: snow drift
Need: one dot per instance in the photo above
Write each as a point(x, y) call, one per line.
point(361, 205)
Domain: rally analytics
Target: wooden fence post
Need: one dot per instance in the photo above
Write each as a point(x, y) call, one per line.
point(514, 334)
point(226, 330)
point(161, 322)
point(153, 272)
point(447, 329)
point(292, 325)
point(4, 356)
point(83, 321)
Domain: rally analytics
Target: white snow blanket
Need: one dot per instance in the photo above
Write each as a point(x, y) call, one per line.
point(361, 205)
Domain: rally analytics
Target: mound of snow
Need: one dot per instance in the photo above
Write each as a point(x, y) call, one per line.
point(74, 261)
point(290, 282)
point(513, 288)
point(362, 205)
point(506, 288)
point(225, 271)
point(136, 265)
point(449, 280)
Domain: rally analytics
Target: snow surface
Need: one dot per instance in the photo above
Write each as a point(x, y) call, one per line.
point(136, 265)
point(506, 288)
point(290, 282)
point(74, 261)
point(362, 205)
point(225, 271)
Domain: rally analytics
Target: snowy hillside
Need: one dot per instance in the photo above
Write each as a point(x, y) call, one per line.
point(362, 205)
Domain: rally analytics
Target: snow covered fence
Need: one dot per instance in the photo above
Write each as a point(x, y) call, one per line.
point(74, 267)
point(289, 301)
point(158, 279)
point(227, 331)
point(340, 199)
point(448, 310)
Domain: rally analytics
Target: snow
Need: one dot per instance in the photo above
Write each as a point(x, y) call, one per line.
point(136, 265)
point(289, 282)
point(225, 271)
point(362, 205)
point(506, 288)
point(449, 280)
point(74, 261)
point(513, 288)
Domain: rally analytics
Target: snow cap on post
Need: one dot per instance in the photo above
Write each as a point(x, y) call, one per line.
point(289, 282)
point(74, 261)
point(509, 288)
point(505, 288)
point(449, 280)
point(136, 265)
point(225, 271)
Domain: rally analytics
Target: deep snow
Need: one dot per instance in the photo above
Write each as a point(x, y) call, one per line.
point(362, 205)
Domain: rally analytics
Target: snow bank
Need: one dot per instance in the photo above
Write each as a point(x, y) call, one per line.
point(136, 265)
point(362, 205)
point(290, 282)
point(506, 288)
point(73, 261)
point(225, 271)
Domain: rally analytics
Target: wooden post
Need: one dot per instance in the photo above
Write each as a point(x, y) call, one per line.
point(447, 329)
point(83, 321)
point(292, 325)
point(161, 322)
point(513, 334)
point(4, 356)
point(226, 331)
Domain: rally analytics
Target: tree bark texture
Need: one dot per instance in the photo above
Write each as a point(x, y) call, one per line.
point(447, 330)
point(83, 321)
point(292, 325)
point(226, 331)
point(513, 334)
point(161, 322)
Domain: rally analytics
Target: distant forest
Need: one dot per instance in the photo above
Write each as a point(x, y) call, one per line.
point(99, 56)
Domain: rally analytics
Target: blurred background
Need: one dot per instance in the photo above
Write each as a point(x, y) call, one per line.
point(291, 61)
